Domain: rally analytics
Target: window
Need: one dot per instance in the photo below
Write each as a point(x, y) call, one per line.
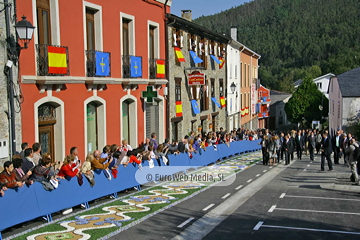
point(126, 37)
point(201, 53)
point(126, 120)
point(245, 75)
point(235, 71)
point(230, 70)
point(194, 92)
point(260, 95)
point(241, 76)
point(204, 100)
point(92, 126)
point(242, 101)
point(248, 79)
point(212, 88)
point(43, 21)
point(319, 85)
point(177, 89)
point(152, 42)
point(249, 101)
point(221, 87)
point(178, 38)
point(90, 29)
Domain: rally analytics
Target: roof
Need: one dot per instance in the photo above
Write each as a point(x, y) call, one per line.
point(298, 82)
point(181, 23)
point(324, 76)
point(349, 83)
point(277, 96)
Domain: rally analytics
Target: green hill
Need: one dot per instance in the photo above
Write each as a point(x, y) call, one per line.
point(295, 37)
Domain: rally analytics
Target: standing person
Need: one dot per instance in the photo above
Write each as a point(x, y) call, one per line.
point(326, 150)
point(292, 139)
point(312, 145)
point(286, 149)
point(272, 150)
point(282, 140)
point(347, 143)
point(264, 149)
point(350, 151)
point(36, 147)
point(336, 144)
point(318, 141)
point(153, 140)
point(278, 145)
point(343, 147)
point(300, 145)
point(24, 146)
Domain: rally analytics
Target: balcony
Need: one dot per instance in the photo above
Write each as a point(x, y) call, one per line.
point(131, 66)
point(52, 60)
point(98, 63)
point(156, 68)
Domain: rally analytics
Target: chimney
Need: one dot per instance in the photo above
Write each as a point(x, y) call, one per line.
point(186, 14)
point(234, 33)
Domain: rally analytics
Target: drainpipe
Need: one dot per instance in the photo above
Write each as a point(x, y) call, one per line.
point(240, 84)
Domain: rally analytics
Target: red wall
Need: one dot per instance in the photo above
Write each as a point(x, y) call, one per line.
point(72, 36)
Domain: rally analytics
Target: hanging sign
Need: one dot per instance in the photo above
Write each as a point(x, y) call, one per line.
point(196, 78)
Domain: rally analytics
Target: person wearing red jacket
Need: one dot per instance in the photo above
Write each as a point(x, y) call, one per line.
point(8, 176)
point(69, 168)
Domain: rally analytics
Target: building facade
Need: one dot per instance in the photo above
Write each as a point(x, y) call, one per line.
point(321, 82)
point(278, 119)
point(94, 73)
point(263, 106)
point(249, 84)
point(344, 101)
point(197, 77)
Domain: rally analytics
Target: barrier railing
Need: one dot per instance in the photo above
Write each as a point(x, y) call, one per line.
point(27, 203)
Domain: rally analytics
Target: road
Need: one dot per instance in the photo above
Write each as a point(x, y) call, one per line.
point(281, 202)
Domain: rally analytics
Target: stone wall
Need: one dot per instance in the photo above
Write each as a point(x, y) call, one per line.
point(4, 106)
point(177, 70)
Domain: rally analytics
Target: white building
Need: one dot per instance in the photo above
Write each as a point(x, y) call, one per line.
point(344, 101)
point(321, 82)
point(233, 81)
point(278, 118)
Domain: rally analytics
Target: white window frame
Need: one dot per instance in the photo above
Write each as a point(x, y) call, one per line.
point(156, 40)
point(131, 33)
point(98, 25)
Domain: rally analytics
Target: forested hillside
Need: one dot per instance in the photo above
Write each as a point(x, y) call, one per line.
point(295, 37)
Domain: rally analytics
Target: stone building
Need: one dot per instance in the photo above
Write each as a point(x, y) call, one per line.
point(195, 100)
point(5, 144)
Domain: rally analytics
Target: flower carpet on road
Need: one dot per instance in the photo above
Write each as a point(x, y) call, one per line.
point(106, 220)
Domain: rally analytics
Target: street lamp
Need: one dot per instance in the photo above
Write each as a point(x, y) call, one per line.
point(24, 30)
point(233, 87)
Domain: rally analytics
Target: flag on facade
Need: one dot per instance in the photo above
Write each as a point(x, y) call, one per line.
point(222, 101)
point(102, 63)
point(215, 59)
point(222, 62)
point(135, 66)
point(57, 60)
point(195, 57)
point(216, 102)
point(243, 112)
point(178, 109)
point(195, 106)
point(179, 54)
point(160, 68)
point(246, 110)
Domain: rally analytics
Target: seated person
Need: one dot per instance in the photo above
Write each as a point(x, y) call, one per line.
point(97, 162)
point(20, 175)
point(28, 163)
point(44, 171)
point(8, 176)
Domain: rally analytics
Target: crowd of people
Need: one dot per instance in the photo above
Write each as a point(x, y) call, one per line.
point(31, 166)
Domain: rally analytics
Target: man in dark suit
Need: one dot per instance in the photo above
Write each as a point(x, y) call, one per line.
point(336, 144)
point(326, 151)
point(287, 145)
point(300, 145)
point(311, 144)
point(282, 140)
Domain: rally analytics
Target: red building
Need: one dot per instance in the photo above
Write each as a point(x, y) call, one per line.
point(263, 106)
point(84, 73)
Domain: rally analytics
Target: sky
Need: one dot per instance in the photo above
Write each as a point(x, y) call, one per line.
point(203, 7)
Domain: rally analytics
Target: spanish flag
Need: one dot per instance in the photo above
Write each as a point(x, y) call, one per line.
point(246, 110)
point(178, 109)
point(243, 113)
point(222, 62)
point(57, 63)
point(160, 68)
point(179, 54)
point(222, 102)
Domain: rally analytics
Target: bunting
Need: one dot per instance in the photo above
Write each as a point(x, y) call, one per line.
point(57, 60)
point(179, 54)
point(160, 68)
point(178, 109)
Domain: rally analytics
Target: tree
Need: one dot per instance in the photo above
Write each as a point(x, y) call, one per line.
point(304, 105)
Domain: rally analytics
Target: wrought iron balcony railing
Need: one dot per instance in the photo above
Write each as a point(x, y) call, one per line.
point(153, 74)
point(131, 66)
point(98, 63)
point(52, 60)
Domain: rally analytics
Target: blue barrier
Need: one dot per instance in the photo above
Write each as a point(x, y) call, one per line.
point(27, 203)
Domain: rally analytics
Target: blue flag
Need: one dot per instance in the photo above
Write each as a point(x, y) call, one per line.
point(195, 106)
point(102, 64)
point(215, 59)
point(216, 102)
point(195, 57)
point(135, 66)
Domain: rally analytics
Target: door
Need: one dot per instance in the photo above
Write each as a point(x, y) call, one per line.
point(152, 119)
point(46, 139)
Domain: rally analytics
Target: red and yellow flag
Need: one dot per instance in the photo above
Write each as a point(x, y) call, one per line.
point(222, 62)
point(178, 109)
point(57, 63)
point(179, 54)
point(222, 102)
point(160, 68)
point(246, 110)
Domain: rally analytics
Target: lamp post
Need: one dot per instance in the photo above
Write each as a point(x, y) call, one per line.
point(24, 31)
point(233, 87)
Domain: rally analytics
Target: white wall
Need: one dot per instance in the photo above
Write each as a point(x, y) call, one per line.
point(336, 106)
point(233, 76)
